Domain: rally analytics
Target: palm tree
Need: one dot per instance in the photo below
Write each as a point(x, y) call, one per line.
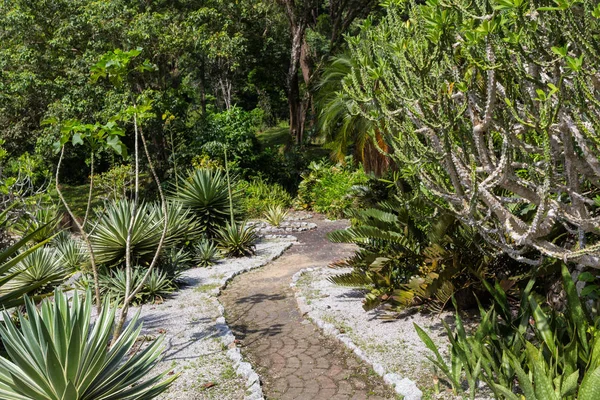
point(342, 126)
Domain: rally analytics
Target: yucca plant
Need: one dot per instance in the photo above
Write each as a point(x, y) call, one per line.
point(57, 353)
point(11, 294)
point(205, 192)
point(110, 236)
point(174, 261)
point(157, 286)
point(275, 214)
point(236, 240)
point(205, 253)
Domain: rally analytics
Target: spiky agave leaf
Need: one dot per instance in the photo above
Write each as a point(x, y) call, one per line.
point(206, 193)
point(42, 268)
point(110, 236)
point(275, 214)
point(206, 253)
point(237, 240)
point(58, 353)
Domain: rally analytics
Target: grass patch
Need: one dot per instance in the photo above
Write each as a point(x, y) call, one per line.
point(77, 197)
point(277, 136)
point(207, 288)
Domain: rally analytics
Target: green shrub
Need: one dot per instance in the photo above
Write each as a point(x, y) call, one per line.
point(258, 195)
point(326, 188)
point(115, 183)
point(551, 354)
point(206, 194)
point(236, 240)
point(206, 253)
point(58, 353)
point(234, 129)
point(409, 254)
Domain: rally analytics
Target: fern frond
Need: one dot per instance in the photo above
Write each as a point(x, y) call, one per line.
point(352, 279)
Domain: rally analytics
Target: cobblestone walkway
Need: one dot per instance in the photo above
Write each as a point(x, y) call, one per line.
point(293, 358)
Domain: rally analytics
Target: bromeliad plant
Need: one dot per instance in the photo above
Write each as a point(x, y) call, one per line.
point(56, 353)
point(551, 355)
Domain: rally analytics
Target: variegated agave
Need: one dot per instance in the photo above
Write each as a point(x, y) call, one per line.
point(58, 354)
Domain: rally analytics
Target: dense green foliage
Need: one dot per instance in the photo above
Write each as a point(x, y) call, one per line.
point(325, 188)
point(556, 355)
point(491, 109)
point(257, 195)
point(206, 55)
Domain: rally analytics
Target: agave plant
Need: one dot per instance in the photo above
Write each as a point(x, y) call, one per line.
point(174, 261)
point(274, 215)
point(41, 268)
point(206, 253)
point(207, 195)
point(44, 221)
point(236, 240)
point(57, 353)
point(110, 236)
point(11, 294)
point(72, 252)
point(156, 287)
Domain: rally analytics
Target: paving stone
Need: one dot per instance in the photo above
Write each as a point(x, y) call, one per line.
point(293, 358)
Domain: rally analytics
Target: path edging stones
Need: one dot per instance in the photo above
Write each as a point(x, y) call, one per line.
point(402, 386)
point(242, 368)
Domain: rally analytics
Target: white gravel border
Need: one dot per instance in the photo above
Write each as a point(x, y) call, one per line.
point(198, 300)
point(402, 386)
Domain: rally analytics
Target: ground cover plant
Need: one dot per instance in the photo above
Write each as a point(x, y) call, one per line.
point(538, 352)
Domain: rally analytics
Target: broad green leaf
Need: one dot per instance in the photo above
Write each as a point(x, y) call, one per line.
point(590, 386)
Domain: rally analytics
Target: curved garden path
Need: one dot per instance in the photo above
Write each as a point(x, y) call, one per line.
point(293, 358)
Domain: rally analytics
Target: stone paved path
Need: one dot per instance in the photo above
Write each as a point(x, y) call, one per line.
point(294, 359)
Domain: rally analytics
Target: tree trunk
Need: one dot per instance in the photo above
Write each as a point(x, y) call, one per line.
point(202, 88)
point(295, 105)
